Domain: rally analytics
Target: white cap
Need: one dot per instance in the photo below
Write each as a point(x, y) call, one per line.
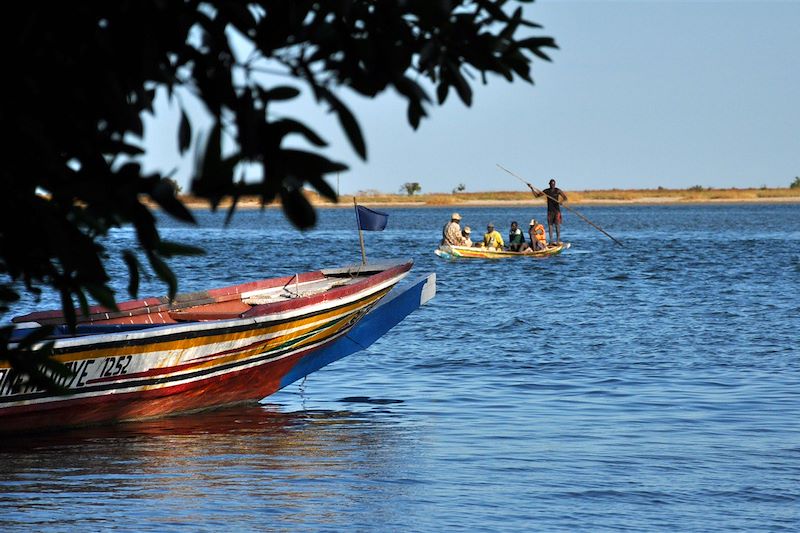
point(533, 222)
point(467, 230)
point(455, 216)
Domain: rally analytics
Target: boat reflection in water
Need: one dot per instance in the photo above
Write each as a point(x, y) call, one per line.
point(178, 470)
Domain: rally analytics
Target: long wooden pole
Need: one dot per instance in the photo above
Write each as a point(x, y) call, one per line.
point(360, 234)
point(537, 191)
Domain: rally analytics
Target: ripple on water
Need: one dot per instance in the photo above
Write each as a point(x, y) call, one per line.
point(643, 388)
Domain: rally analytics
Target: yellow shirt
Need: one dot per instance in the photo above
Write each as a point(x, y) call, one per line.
point(493, 239)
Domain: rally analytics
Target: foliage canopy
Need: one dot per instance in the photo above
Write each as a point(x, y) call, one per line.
point(83, 74)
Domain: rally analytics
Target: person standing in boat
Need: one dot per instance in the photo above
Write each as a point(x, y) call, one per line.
point(537, 236)
point(466, 240)
point(516, 239)
point(553, 194)
point(451, 232)
point(492, 238)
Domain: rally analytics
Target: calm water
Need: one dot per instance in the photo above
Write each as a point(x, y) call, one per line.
point(650, 387)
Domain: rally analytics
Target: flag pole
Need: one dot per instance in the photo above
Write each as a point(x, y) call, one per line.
point(360, 234)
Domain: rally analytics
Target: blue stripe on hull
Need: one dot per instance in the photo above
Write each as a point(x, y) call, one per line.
point(401, 302)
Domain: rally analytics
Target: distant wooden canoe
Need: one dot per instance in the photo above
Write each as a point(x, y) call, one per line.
point(472, 252)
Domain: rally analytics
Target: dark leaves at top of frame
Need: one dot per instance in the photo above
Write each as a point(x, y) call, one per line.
point(184, 133)
point(172, 249)
point(301, 163)
point(347, 121)
point(133, 272)
point(163, 272)
point(285, 126)
point(213, 174)
point(282, 92)
point(163, 192)
point(461, 85)
point(31, 358)
point(297, 208)
point(535, 45)
point(323, 188)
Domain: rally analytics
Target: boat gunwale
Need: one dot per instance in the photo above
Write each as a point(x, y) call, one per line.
point(161, 304)
point(194, 330)
point(482, 253)
point(277, 313)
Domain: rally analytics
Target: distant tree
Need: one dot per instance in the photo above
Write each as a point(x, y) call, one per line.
point(176, 188)
point(85, 73)
point(696, 188)
point(369, 192)
point(461, 188)
point(796, 183)
point(411, 188)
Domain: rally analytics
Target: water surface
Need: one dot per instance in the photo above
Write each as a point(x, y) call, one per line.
point(647, 387)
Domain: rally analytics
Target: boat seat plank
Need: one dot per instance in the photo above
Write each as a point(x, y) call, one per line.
point(214, 311)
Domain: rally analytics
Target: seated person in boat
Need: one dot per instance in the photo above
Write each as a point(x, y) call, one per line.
point(492, 238)
point(537, 236)
point(466, 241)
point(516, 239)
point(451, 232)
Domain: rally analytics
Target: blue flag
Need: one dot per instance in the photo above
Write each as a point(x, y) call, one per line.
point(369, 220)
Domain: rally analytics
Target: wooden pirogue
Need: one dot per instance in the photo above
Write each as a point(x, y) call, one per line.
point(477, 252)
point(154, 357)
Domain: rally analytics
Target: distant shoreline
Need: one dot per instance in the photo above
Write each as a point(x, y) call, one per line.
point(516, 198)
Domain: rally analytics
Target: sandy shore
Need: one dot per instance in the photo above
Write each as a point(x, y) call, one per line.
point(254, 203)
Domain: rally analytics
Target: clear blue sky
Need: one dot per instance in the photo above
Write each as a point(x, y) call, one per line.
point(641, 94)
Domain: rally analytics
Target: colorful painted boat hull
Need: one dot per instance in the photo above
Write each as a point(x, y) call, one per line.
point(152, 371)
point(467, 252)
point(389, 312)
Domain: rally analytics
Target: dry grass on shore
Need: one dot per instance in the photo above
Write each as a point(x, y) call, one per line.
point(613, 196)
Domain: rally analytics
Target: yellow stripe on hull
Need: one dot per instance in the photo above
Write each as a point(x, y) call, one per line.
point(483, 253)
point(173, 358)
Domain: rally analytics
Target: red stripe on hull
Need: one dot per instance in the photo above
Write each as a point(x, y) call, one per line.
point(250, 384)
point(330, 295)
